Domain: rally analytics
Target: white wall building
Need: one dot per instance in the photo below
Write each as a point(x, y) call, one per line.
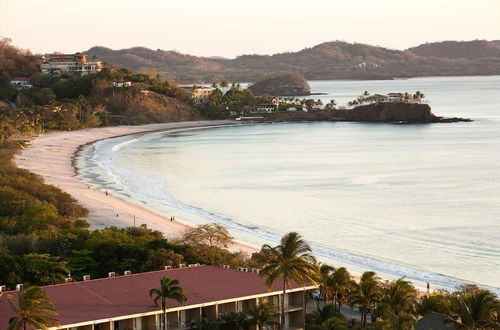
point(20, 83)
point(56, 64)
point(121, 84)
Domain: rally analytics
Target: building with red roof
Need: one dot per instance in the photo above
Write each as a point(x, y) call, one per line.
point(123, 302)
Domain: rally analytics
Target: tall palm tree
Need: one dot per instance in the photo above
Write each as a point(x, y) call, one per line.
point(400, 296)
point(169, 288)
point(365, 293)
point(396, 309)
point(476, 308)
point(33, 308)
point(291, 260)
point(324, 283)
point(263, 315)
point(340, 283)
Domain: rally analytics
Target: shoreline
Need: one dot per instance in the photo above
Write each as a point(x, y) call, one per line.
point(55, 161)
point(52, 156)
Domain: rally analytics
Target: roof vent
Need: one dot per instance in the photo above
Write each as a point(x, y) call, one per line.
point(242, 269)
point(111, 274)
point(127, 272)
point(193, 265)
point(225, 266)
point(255, 271)
point(19, 287)
point(68, 280)
point(182, 265)
point(3, 288)
point(168, 267)
point(86, 277)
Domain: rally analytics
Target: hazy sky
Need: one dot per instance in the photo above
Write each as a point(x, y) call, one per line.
point(234, 27)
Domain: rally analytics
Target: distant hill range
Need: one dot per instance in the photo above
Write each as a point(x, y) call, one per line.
point(329, 60)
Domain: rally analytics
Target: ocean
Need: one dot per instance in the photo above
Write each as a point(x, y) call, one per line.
point(415, 200)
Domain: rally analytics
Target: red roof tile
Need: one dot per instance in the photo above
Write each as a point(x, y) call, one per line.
point(126, 295)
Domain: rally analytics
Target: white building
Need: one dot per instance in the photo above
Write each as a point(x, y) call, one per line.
point(121, 84)
point(265, 108)
point(56, 64)
point(395, 97)
point(20, 83)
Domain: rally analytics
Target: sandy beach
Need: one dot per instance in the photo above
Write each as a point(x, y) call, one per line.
point(50, 156)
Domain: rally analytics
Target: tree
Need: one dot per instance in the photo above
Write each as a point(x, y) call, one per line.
point(339, 283)
point(33, 309)
point(324, 283)
point(400, 296)
point(396, 309)
point(169, 288)
point(437, 302)
point(291, 260)
point(325, 318)
point(365, 294)
point(476, 308)
point(209, 237)
point(234, 321)
point(263, 315)
point(43, 269)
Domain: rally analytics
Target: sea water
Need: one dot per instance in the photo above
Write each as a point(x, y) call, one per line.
point(414, 200)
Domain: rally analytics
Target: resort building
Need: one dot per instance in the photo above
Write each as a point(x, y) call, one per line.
point(199, 94)
point(394, 97)
point(21, 83)
point(124, 303)
point(120, 84)
point(265, 108)
point(56, 64)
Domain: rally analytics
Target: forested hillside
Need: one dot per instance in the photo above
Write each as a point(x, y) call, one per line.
point(329, 60)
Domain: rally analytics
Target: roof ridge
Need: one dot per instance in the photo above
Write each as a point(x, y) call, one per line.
point(114, 277)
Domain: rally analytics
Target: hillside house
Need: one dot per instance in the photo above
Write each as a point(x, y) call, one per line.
point(120, 84)
point(56, 64)
point(21, 83)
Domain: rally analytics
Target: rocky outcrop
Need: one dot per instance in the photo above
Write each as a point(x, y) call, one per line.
point(289, 84)
point(381, 112)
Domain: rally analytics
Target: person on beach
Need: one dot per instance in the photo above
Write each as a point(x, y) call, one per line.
point(106, 192)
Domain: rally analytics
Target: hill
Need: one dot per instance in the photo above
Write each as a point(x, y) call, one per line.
point(329, 60)
point(285, 85)
point(474, 49)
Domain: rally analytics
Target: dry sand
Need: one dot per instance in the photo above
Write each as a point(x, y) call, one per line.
point(50, 156)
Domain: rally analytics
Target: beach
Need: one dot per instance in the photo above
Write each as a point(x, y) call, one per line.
point(51, 156)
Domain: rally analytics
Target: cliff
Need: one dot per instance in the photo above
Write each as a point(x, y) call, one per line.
point(381, 112)
point(283, 85)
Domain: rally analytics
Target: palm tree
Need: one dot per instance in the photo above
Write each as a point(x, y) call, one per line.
point(396, 309)
point(340, 283)
point(324, 283)
point(324, 318)
point(365, 293)
point(476, 308)
point(291, 260)
point(263, 315)
point(169, 288)
point(33, 308)
point(400, 296)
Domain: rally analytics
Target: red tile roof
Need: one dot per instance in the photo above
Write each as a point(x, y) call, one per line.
point(127, 295)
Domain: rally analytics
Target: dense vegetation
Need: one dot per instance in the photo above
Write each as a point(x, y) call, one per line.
point(43, 236)
point(329, 60)
point(71, 101)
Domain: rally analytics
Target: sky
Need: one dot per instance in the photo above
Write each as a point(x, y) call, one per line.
point(233, 27)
